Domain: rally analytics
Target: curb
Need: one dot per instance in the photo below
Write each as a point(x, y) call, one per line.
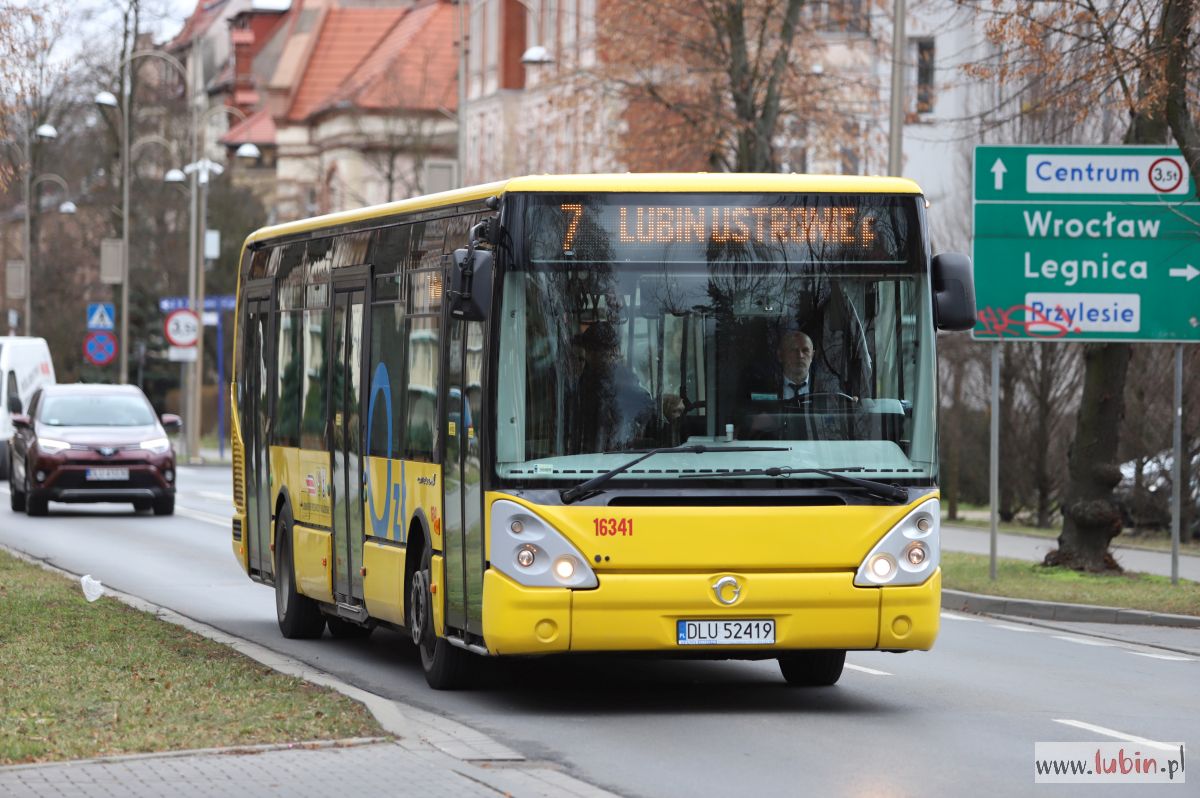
point(263, 748)
point(1052, 611)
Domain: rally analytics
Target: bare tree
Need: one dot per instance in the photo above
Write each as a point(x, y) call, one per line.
point(721, 84)
point(1094, 62)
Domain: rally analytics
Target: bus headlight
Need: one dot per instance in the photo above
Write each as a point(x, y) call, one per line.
point(882, 567)
point(564, 569)
point(535, 554)
point(908, 554)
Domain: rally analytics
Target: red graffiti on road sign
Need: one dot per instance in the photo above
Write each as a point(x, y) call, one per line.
point(1022, 321)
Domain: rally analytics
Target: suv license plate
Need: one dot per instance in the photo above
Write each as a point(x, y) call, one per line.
point(743, 632)
point(107, 474)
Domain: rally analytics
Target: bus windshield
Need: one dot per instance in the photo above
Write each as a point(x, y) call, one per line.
point(636, 321)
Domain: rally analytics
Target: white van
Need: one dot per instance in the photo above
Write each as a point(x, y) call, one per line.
point(25, 366)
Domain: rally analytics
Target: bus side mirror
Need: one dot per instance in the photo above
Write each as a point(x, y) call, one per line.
point(21, 422)
point(14, 403)
point(953, 292)
point(471, 284)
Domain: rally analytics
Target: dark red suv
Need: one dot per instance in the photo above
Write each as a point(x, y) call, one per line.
point(92, 443)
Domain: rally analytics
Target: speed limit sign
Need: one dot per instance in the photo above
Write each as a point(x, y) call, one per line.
point(182, 327)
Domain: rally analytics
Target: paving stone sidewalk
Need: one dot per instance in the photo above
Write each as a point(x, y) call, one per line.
point(362, 769)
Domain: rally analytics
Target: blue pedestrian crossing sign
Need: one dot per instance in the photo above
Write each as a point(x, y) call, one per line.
point(100, 315)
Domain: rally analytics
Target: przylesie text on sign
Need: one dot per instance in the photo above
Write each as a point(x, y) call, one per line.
point(652, 224)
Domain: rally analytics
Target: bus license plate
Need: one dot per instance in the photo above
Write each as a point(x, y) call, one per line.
point(742, 632)
point(107, 474)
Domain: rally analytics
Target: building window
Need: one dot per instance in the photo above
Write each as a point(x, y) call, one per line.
point(850, 153)
point(842, 16)
point(439, 176)
point(921, 53)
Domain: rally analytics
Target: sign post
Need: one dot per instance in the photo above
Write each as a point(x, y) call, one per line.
point(1086, 244)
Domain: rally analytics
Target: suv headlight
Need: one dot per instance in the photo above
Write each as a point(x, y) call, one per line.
point(52, 446)
point(909, 553)
point(532, 552)
point(157, 445)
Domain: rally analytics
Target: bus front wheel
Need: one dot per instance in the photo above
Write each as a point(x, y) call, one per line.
point(299, 616)
point(446, 667)
point(812, 668)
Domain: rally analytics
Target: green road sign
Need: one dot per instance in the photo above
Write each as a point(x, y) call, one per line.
point(1086, 243)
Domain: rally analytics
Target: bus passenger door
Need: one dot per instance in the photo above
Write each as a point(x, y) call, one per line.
point(463, 538)
point(256, 415)
point(345, 401)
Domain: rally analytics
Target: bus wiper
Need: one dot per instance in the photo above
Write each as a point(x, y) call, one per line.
point(591, 487)
point(882, 490)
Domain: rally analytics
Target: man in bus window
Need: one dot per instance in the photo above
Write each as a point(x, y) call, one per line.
point(615, 411)
point(786, 378)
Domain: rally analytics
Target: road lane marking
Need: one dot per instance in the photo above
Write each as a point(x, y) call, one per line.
point(1129, 738)
point(1083, 641)
point(208, 518)
point(864, 669)
point(1014, 628)
point(954, 616)
point(1168, 657)
point(212, 494)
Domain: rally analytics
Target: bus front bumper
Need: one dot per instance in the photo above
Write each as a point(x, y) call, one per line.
point(639, 612)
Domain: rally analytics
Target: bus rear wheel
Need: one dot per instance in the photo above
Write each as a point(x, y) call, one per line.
point(299, 617)
point(812, 668)
point(446, 667)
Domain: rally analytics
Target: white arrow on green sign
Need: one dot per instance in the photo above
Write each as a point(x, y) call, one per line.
point(1086, 243)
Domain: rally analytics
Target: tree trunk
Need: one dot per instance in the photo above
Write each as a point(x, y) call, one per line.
point(1091, 518)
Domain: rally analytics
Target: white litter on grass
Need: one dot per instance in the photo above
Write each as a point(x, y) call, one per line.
point(92, 588)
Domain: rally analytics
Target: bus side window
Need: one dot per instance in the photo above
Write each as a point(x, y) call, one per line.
point(424, 358)
point(285, 429)
point(390, 249)
point(458, 231)
point(316, 345)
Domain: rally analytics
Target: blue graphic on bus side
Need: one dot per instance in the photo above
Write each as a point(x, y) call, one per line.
point(380, 383)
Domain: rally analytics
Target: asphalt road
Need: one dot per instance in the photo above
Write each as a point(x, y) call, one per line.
point(962, 719)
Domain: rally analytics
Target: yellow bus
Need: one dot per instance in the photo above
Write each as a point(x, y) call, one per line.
point(687, 414)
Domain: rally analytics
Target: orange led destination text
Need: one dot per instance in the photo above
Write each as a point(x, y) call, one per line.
point(762, 225)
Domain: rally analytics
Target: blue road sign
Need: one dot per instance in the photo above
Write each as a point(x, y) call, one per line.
point(100, 315)
point(100, 347)
point(222, 302)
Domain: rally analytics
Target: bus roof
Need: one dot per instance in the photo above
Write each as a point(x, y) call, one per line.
point(628, 182)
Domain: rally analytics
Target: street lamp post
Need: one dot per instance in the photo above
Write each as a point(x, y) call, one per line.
point(107, 99)
point(534, 55)
point(43, 132)
point(896, 110)
point(200, 170)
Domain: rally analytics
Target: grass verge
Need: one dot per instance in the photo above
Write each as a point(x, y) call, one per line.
point(1020, 579)
point(80, 680)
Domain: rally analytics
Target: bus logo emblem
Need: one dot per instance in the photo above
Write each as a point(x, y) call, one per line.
point(727, 590)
